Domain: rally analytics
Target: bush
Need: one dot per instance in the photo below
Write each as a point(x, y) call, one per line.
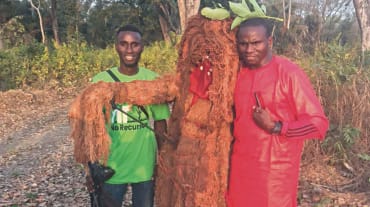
point(344, 92)
point(72, 64)
point(16, 65)
point(160, 57)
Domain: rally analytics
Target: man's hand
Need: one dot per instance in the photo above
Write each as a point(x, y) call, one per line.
point(263, 119)
point(160, 128)
point(89, 184)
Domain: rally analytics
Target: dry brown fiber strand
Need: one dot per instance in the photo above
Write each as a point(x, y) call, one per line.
point(91, 141)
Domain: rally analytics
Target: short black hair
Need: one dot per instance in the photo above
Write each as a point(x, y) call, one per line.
point(266, 23)
point(129, 28)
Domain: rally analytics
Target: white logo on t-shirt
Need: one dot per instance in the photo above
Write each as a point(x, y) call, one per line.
point(118, 116)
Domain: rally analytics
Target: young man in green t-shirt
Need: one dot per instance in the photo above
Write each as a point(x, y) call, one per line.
point(134, 146)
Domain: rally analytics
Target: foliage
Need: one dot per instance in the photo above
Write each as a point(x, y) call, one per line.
point(71, 64)
point(311, 25)
point(96, 20)
point(69, 14)
point(344, 91)
point(160, 57)
point(339, 141)
point(364, 156)
point(105, 18)
point(244, 10)
point(11, 8)
point(339, 62)
point(15, 64)
point(12, 32)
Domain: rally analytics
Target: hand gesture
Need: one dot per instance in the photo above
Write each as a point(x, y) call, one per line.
point(263, 119)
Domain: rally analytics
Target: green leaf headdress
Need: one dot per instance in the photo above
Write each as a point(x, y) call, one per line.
point(242, 11)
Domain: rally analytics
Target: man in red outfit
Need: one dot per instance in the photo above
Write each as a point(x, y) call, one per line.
point(276, 110)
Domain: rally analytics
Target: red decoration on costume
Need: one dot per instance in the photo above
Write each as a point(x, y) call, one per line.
point(200, 79)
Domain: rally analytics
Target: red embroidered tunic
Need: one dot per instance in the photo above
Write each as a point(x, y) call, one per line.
point(264, 167)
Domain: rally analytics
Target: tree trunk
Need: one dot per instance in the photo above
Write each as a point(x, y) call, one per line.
point(289, 13)
point(165, 15)
point(164, 28)
point(287, 18)
point(362, 8)
point(187, 9)
point(54, 21)
point(40, 19)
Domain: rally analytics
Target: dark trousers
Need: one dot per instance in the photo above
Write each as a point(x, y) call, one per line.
point(142, 194)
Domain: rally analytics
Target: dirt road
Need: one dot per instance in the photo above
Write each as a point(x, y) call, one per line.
point(37, 167)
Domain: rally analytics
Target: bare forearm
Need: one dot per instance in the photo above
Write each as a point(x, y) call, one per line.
point(160, 128)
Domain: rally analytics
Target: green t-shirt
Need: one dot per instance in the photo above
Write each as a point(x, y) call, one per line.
point(134, 147)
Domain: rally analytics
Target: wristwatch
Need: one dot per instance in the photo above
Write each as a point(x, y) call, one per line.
point(277, 127)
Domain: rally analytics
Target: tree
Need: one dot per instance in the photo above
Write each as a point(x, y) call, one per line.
point(362, 8)
point(105, 17)
point(187, 9)
point(14, 23)
point(12, 33)
point(69, 15)
point(168, 17)
point(54, 21)
point(312, 23)
point(37, 8)
point(319, 15)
